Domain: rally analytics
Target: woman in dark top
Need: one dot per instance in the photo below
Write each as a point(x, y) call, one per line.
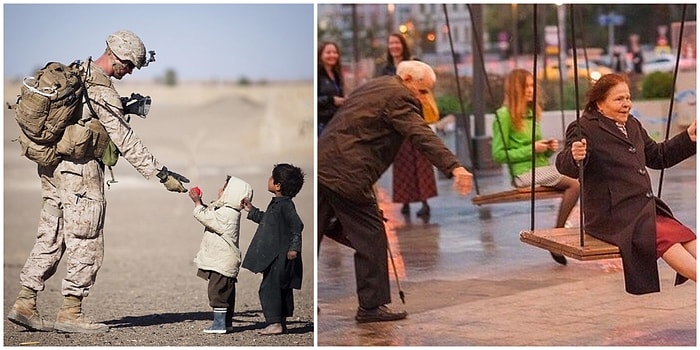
point(330, 94)
point(397, 50)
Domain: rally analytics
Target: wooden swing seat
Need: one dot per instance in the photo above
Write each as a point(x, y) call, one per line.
point(567, 242)
point(517, 194)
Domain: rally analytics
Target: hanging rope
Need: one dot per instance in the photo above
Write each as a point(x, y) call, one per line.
point(675, 77)
point(578, 118)
point(479, 52)
point(511, 195)
point(459, 96)
point(561, 77)
point(534, 118)
point(585, 51)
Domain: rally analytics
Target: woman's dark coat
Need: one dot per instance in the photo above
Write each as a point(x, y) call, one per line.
point(279, 231)
point(327, 89)
point(619, 205)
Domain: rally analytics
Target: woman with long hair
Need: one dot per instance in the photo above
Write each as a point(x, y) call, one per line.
point(512, 144)
point(329, 94)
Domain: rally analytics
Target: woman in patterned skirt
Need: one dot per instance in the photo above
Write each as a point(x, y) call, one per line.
point(413, 174)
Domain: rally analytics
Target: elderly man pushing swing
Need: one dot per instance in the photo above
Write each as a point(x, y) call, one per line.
point(356, 148)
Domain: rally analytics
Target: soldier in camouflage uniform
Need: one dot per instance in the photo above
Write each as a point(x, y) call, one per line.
point(73, 211)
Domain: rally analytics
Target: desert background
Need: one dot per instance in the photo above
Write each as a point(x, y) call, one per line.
point(147, 291)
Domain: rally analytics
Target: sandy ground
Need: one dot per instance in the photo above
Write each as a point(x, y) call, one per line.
point(147, 290)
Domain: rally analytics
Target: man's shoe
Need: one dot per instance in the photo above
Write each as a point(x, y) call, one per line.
point(559, 258)
point(378, 314)
point(405, 209)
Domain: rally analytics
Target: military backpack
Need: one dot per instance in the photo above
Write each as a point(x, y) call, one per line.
point(48, 112)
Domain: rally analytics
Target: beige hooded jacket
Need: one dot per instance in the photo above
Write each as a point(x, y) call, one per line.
point(219, 250)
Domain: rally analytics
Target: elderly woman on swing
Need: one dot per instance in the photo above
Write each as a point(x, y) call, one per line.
point(619, 205)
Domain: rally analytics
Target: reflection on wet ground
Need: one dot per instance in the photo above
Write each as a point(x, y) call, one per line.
point(468, 280)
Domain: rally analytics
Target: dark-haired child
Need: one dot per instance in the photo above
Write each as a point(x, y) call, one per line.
point(275, 250)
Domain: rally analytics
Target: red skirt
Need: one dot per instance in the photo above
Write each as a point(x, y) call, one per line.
point(413, 176)
point(670, 232)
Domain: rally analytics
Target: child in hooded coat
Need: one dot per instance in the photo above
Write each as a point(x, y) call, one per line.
point(219, 257)
point(275, 250)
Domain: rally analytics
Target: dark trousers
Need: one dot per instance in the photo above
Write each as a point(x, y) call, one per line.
point(221, 290)
point(360, 226)
point(277, 303)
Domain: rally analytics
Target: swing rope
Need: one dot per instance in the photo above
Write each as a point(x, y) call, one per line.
point(534, 119)
point(582, 224)
point(459, 95)
point(561, 80)
point(675, 77)
point(509, 195)
point(490, 92)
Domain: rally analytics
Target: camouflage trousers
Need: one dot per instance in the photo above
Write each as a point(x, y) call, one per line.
point(71, 224)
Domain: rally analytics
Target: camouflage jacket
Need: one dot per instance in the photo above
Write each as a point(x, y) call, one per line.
point(106, 103)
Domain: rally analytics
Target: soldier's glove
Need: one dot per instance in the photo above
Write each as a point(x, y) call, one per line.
point(172, 181)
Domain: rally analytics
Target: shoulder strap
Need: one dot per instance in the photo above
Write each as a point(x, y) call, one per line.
point(82, 82)
point(96, 79)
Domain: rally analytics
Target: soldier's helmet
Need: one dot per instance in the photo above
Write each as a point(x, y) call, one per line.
point(127, 46)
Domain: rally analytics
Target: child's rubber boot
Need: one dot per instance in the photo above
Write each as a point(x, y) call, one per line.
point(219, 324)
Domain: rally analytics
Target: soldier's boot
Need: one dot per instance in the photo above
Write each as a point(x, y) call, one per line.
point(70, 318)
point(25, 313)
point(229, 319)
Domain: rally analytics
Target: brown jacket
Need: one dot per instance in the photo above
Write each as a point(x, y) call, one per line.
point(362, 139)
point(619, 205)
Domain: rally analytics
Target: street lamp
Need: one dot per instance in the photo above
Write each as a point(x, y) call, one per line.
point(611, 20)
point(562, 41)
point(390, 8)
point(514, 20)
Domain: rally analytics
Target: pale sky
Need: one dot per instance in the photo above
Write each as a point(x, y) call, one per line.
point(204, 42)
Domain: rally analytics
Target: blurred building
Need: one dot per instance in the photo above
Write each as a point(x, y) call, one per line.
point(423, 25)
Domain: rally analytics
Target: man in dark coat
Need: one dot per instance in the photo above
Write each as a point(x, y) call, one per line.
point(619, 203)
point(356, 148)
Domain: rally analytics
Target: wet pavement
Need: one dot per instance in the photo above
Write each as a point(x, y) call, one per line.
point(468, 280)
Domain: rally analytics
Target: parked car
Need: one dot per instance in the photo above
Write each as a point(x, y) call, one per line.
point(659, 63)
point(603, 60)
point(596, 71)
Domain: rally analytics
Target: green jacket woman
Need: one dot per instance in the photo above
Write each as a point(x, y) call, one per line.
point(513, 145)
point(518, 143)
